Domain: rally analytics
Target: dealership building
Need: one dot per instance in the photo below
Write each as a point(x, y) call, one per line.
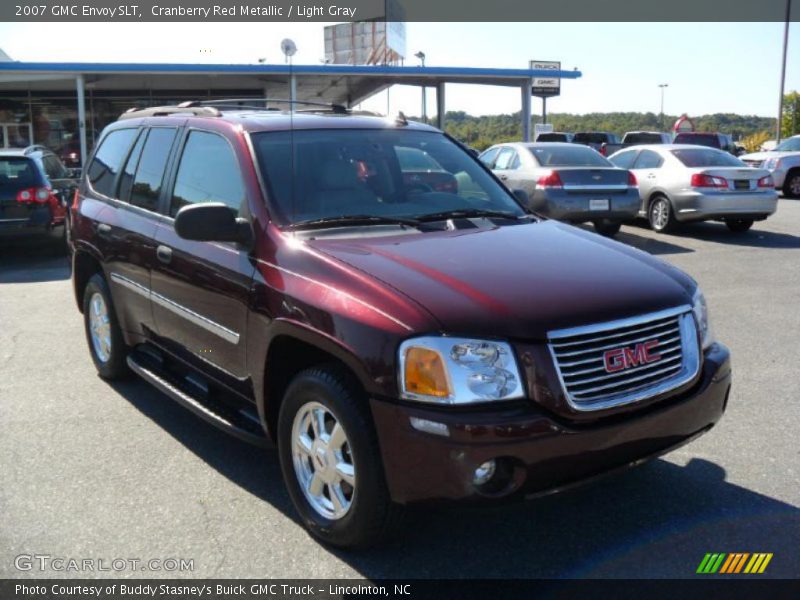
point(65, 106)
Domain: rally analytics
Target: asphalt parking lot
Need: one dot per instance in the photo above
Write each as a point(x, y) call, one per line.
point(94, 470)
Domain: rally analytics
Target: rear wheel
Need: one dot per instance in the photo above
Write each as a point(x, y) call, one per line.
point(103, 334)
point(791, 187)
point(661, 215)
point(331, 461)
point(606, 227)
point(739, 225)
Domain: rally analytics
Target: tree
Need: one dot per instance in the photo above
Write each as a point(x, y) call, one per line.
point(790, 123)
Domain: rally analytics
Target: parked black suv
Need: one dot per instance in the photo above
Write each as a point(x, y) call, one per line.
point(403, 336)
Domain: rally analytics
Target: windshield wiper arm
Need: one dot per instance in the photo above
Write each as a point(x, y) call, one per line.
point(353, 220)
point(468, 213)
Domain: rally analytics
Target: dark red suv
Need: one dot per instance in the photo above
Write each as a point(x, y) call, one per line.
point(401, 341)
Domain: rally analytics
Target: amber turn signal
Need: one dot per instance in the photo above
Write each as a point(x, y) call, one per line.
point(425, 373)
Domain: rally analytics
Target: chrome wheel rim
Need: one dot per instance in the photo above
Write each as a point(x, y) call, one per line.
point(322, 461)
point(794, 185)
point(100, 327)
point(660, 214)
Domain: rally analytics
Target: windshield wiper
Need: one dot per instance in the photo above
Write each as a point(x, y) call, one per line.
point(469, 213)
point(353, 220)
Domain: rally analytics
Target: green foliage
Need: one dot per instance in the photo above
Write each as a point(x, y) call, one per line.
point(482, 132)
point(790, 123)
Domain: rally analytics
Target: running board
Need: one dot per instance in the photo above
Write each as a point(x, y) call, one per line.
point(201, 409)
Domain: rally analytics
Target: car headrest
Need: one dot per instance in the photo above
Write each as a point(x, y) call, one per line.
point(338, 175)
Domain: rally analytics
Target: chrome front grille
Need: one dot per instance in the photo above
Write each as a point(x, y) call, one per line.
point(626, 361)
point(754, 163)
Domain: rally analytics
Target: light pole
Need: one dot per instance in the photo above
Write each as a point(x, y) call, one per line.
point(662, 86)
point(421, 56)
point(783, 68)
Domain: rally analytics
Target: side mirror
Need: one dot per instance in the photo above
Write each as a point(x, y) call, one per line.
point(522, 196)
point(212, 222)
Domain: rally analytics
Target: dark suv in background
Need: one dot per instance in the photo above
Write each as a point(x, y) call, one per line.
point(402, 338)
point(35, 189)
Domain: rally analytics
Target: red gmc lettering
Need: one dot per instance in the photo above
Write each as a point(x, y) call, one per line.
point(624, 358)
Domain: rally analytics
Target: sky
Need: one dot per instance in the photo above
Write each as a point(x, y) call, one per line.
point(709, 67)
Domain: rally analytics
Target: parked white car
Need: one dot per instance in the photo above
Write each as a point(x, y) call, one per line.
point(683, 183)
point(783, 163)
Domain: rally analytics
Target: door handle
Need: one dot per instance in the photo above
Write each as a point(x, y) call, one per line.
point(503, 177)
point(164, 254)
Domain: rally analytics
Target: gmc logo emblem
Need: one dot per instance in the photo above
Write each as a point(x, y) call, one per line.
point(619, 359)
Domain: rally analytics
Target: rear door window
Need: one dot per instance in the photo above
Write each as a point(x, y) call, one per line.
point(648, 160)
point(54, 167)
point(208, 172)
point(107, 162)
point(150, 170)
point(624, 160)
point(506, 160)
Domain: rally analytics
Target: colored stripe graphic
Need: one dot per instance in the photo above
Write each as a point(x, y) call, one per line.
point(711, 562)
point(734, 563)
point(758, 563)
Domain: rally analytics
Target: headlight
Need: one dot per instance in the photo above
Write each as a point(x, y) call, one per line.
point(447, 370)
point(700, 310)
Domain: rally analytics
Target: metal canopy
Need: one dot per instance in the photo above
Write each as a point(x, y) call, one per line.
point(342, 84)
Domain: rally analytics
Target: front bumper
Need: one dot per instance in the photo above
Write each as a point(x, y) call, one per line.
point(541, 452)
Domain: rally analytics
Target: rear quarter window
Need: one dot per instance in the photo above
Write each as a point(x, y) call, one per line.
point(107, 161)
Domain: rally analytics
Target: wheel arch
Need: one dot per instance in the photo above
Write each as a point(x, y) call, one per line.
point(292, 348)
point(84, 265)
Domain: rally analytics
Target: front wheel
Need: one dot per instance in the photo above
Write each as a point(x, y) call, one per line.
point(660, 215)
point(331, 461)
point(739, 225)
point(606, 227)
point(791, 187)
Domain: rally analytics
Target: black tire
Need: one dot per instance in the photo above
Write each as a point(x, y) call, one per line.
point(371, 516)
point(739, 225)
point(606, 227)
point(659, 223)
point(791, 186)
point(113, 364)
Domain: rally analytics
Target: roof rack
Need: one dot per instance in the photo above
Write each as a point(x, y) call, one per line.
point(239, 103)
point(33, 148)
point(165, 111)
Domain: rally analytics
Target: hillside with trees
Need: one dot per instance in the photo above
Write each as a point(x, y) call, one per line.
point(482, 132)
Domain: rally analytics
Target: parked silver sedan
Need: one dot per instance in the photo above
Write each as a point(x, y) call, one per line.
point(568, 182)
point(682, 182)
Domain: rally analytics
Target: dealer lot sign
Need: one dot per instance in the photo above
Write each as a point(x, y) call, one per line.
point(546, 86)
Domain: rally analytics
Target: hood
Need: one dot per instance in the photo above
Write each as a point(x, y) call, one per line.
point(766, 155)
point(519, 281)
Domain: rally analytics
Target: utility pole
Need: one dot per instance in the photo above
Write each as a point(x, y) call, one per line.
point(421, 56)
point(783, 69)
point(661, 119)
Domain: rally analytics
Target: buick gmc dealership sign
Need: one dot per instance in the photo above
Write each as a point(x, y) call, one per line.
point(546, 86)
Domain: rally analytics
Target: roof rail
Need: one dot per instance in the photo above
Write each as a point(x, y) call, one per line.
point(238, 103)
point(165, 111)
point(33, 148)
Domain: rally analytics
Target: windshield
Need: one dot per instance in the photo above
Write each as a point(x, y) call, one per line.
point(552, 137)
point(790, 145)
point(568, 156)
point(706, 157)
point(592, 138)
point(373, 173)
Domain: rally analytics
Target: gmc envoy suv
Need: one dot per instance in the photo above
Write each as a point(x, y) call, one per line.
point(363, 293)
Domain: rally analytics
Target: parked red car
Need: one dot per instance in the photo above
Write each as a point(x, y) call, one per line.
point(280, 276)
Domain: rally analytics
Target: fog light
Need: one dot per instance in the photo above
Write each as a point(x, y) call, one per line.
point(484, 472)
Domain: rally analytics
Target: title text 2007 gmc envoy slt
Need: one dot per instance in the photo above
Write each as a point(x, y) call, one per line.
point(366, 294)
